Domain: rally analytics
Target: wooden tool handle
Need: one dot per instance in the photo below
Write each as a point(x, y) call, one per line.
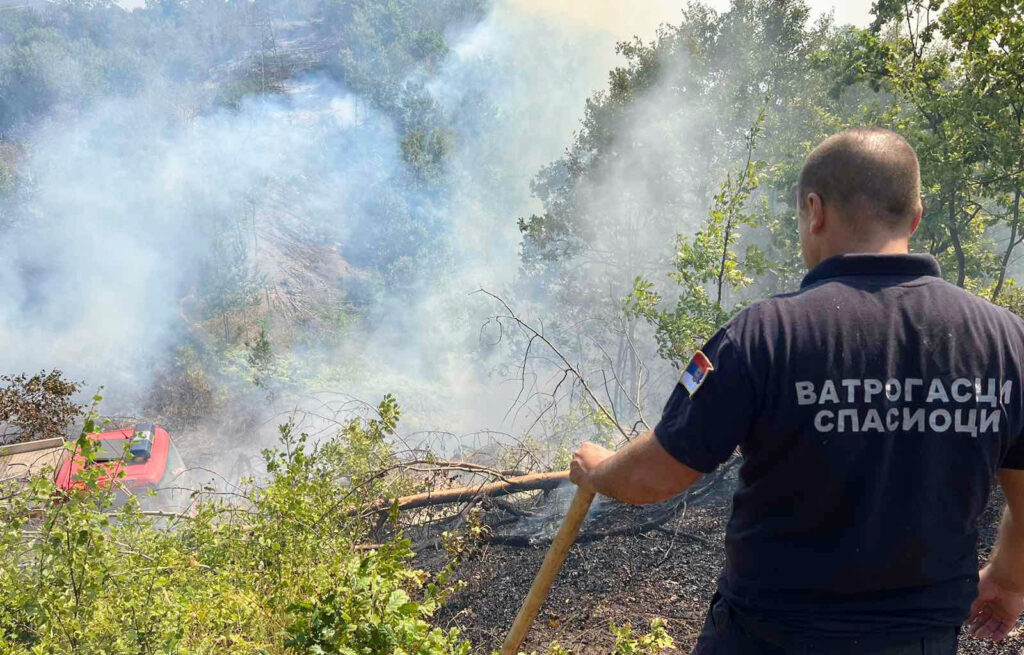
point(548, 570)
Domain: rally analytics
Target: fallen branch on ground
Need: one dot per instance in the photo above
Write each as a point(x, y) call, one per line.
point(654, 520)
point(512, 485)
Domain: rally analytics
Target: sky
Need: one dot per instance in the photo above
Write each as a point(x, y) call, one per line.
point(624, 18)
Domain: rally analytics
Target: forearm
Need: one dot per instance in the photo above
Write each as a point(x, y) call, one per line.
point(616, 477)
point(642, 472)
point(1007, 561)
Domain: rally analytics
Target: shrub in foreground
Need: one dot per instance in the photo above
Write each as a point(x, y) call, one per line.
point(270, 568)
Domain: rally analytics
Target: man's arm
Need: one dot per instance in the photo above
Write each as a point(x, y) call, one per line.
point(642, 472)
point(711, 410)
point(1001, 588)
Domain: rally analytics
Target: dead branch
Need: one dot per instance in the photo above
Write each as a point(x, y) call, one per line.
point(654, 520)
point(534, 541)
point(533, 482)
point(508, 507)
point(364, 547)
point(440, 465)
point(569, 367)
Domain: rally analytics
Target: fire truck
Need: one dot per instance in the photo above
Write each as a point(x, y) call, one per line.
point(135, 460)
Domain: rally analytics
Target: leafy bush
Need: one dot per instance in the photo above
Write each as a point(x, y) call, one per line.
point(36, 407)
point(627, 643)
point(269, 569)
point(367, 609)
point(1011, 298)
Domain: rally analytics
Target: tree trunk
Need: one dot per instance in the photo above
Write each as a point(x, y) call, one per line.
point(619, 371)
point(725, 258)
point(1014, 229)
point(954, 236)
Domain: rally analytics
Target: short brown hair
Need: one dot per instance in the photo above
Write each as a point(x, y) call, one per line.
point(864, 170)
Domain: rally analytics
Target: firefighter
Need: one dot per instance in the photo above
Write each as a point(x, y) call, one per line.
point(874, 409)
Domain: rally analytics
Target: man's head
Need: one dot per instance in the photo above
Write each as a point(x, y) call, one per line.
point(859, 191)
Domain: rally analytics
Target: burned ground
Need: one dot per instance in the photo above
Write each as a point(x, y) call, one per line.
point(666, 570)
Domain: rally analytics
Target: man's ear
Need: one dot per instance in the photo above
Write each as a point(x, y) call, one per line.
point(916, 223)
point(815, 214)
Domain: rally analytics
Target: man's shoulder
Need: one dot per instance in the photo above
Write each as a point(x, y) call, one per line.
point(767, 308)
point(757, 317)
point(946, 297)
point(950, 298)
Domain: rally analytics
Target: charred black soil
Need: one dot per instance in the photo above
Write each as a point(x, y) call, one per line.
point(628, 566)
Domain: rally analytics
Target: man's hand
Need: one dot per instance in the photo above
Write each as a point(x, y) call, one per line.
point(642, 472)
point(996, 610)
point(584, 462)
point(1001, 584)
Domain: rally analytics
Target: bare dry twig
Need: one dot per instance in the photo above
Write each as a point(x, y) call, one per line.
point(569, 366)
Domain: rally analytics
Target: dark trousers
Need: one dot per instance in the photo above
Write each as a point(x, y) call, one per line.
point(725, 633)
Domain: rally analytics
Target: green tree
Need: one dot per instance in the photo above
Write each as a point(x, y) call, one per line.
point(260, 359)
point(648, 164)
point(938, 111)
point(230, 283)
point(706, 266)
point(988, 39)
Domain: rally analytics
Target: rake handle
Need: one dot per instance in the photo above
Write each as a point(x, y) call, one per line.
point(548, 570)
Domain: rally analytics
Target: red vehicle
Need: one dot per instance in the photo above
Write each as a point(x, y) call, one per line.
point(145, 454)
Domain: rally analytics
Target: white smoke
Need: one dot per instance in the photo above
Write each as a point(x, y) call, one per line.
point(124, 202)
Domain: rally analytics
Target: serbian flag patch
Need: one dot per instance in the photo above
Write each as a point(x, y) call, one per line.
point(696, 372)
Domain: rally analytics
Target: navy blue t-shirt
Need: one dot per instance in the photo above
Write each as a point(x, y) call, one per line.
point(872, 408)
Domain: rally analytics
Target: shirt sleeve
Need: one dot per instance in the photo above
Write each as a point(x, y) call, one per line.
point(702, 429)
